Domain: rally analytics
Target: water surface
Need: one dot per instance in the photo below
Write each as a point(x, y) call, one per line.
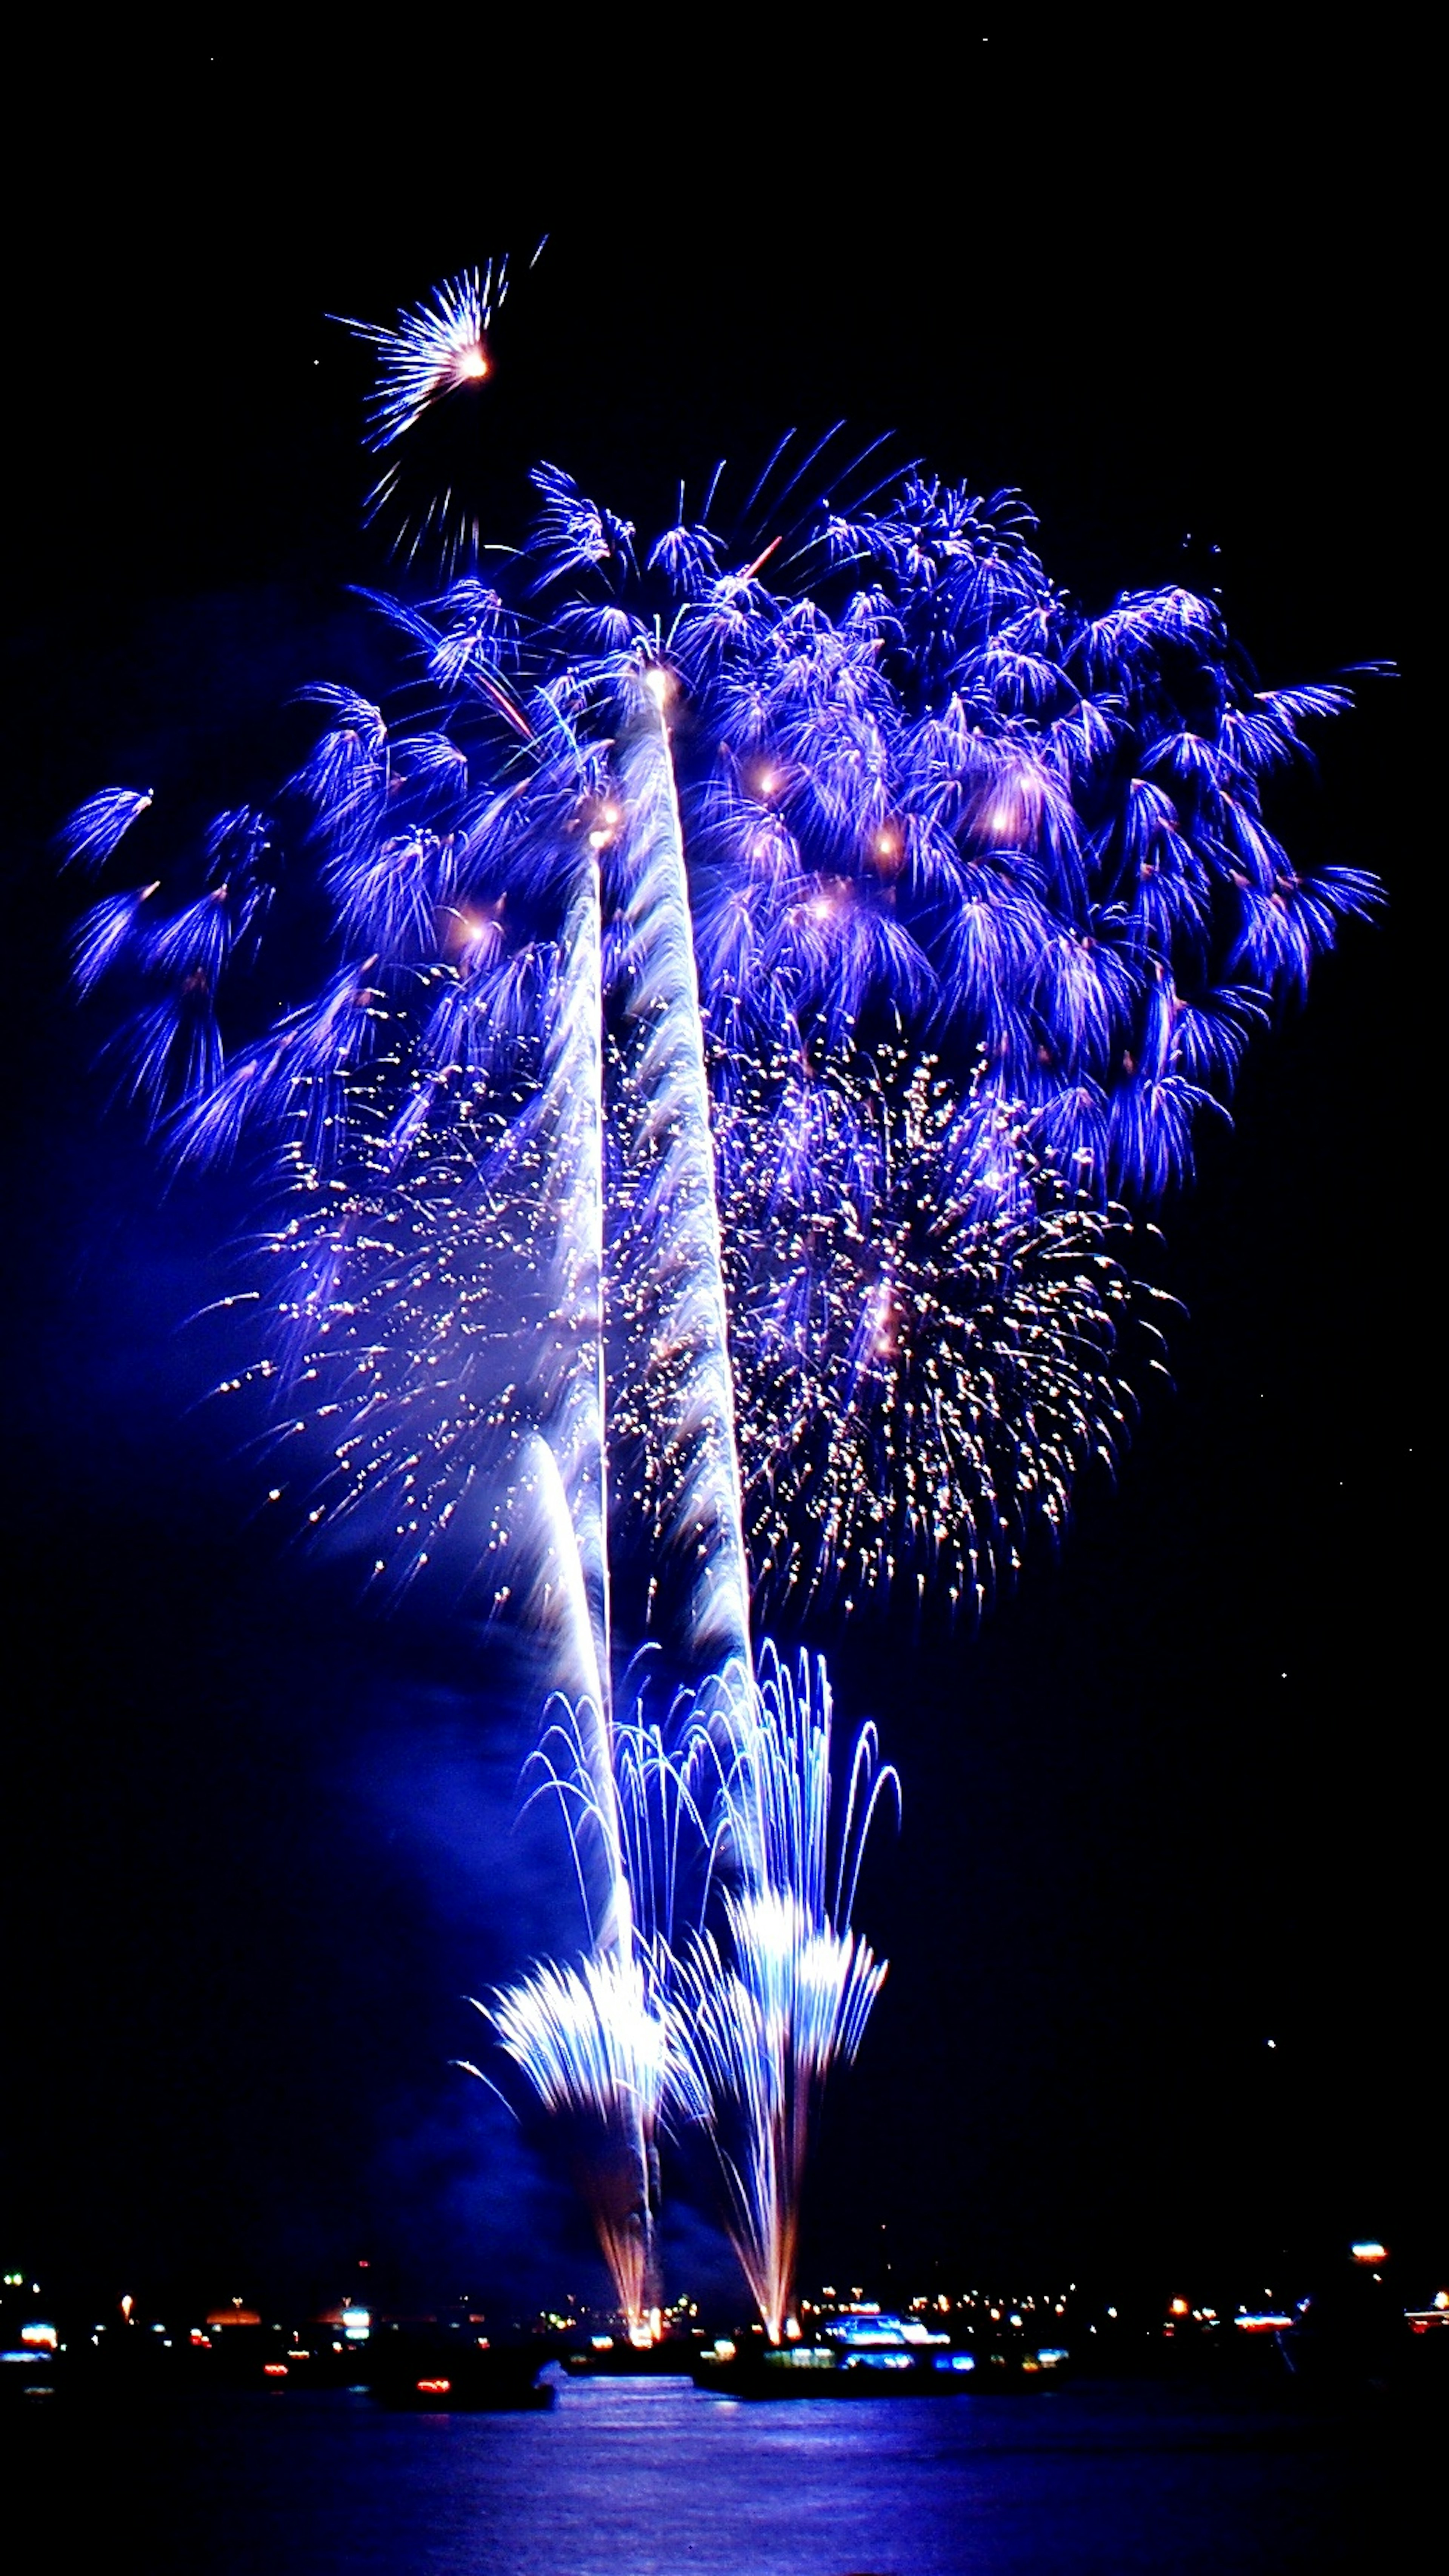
point(646, 2477)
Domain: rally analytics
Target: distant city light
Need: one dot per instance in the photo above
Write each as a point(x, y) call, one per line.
point(357, 2324)
point(1369, 2251)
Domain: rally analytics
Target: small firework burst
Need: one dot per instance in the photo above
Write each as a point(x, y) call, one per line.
point(434, 348)
point(925, 1326)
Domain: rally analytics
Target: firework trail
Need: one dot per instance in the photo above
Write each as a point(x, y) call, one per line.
point(576, 1437)
point(593, 2041)
point(590, 2040)
point(672, 1284)
point(764, 2014)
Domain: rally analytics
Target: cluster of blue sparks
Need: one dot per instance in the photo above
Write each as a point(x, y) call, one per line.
point(754, 973)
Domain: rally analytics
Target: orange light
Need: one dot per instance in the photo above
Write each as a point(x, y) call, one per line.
point(275, 2369)
point(1179, 2308)
point(434, 2387)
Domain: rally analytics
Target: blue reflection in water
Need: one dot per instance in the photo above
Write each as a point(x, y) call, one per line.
point(647, 2477)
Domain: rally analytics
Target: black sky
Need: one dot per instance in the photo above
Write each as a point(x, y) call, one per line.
point(1176, 1799)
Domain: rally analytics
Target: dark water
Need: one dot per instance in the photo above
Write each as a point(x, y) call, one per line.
point(635, 2478)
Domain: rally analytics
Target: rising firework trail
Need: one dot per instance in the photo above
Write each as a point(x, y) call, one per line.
point(684, 1436)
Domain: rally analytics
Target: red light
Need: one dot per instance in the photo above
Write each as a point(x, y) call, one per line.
point(434, 2387)
point(275, 2369)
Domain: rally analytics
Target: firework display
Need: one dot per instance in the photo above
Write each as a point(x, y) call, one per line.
point(756, 977)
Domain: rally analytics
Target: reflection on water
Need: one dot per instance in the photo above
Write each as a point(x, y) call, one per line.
point(640, 2477)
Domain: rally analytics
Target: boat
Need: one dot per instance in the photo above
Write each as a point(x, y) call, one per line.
point(608, 2356)
point(853, 2356)
point(436, 2370)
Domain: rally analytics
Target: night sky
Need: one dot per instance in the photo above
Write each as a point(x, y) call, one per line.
point(1175, 1800)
